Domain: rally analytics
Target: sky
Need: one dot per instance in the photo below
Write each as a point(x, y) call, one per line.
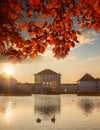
point(83, 58)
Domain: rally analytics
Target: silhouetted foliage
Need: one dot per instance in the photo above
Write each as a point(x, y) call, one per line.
point(47, 22)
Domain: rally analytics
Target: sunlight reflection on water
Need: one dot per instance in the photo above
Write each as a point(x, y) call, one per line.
point(8, 112)
point(57, 112)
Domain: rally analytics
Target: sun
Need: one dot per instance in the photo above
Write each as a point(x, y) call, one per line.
point(8, 70)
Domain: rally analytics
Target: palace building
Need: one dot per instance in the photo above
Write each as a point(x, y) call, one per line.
point(89, 84)
point(48, 81)
point(48, 78)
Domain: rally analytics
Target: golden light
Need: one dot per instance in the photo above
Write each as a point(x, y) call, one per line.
point(53, 84)
point(8, 113)
point(8, 70)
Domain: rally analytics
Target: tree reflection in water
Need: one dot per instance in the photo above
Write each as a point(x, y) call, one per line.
point(87, 105)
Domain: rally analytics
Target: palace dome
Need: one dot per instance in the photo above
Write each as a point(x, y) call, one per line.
point(47, 72)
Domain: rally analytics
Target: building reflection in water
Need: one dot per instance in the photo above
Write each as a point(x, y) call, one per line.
point(88, 105)
point(47, 106)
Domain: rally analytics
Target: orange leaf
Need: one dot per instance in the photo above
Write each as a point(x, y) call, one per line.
point(35, 2)
point(32, 55)
point(72, 44)
point(78, 32)
point(29, 12)
point(38, 33)
point(41, 49)
point(20, 46)
point(55, 1)
point(24, 49)
point(38, 25)
point(31, 33)
point(31, 23)
point(96, 4)
point(32, 44)
point(13, 58)
point(43, 16)
point(96, 28)
point(19, 53)
point(64, 1)
point(24, 26)
point(83, 26)
point(14, 16)
point(25, 56)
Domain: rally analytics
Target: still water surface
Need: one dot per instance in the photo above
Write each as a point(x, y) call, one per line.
point(71, 112)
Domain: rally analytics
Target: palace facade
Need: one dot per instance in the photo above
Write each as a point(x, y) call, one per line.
point(48, 78)
point(48, 81)
point(89, 84)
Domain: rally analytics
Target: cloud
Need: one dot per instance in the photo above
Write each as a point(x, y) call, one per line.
point(47, 53)
point(36, 59)
point(73, 58)
point(83, 39)
point(93, 58)
point(87, 37)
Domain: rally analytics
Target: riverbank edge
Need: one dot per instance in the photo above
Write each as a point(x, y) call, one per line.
point(30, 94)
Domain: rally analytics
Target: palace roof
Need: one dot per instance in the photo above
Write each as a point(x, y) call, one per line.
point(47, 72)
point(87, 77)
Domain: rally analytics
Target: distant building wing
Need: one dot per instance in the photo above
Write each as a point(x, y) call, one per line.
point(87, 77)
